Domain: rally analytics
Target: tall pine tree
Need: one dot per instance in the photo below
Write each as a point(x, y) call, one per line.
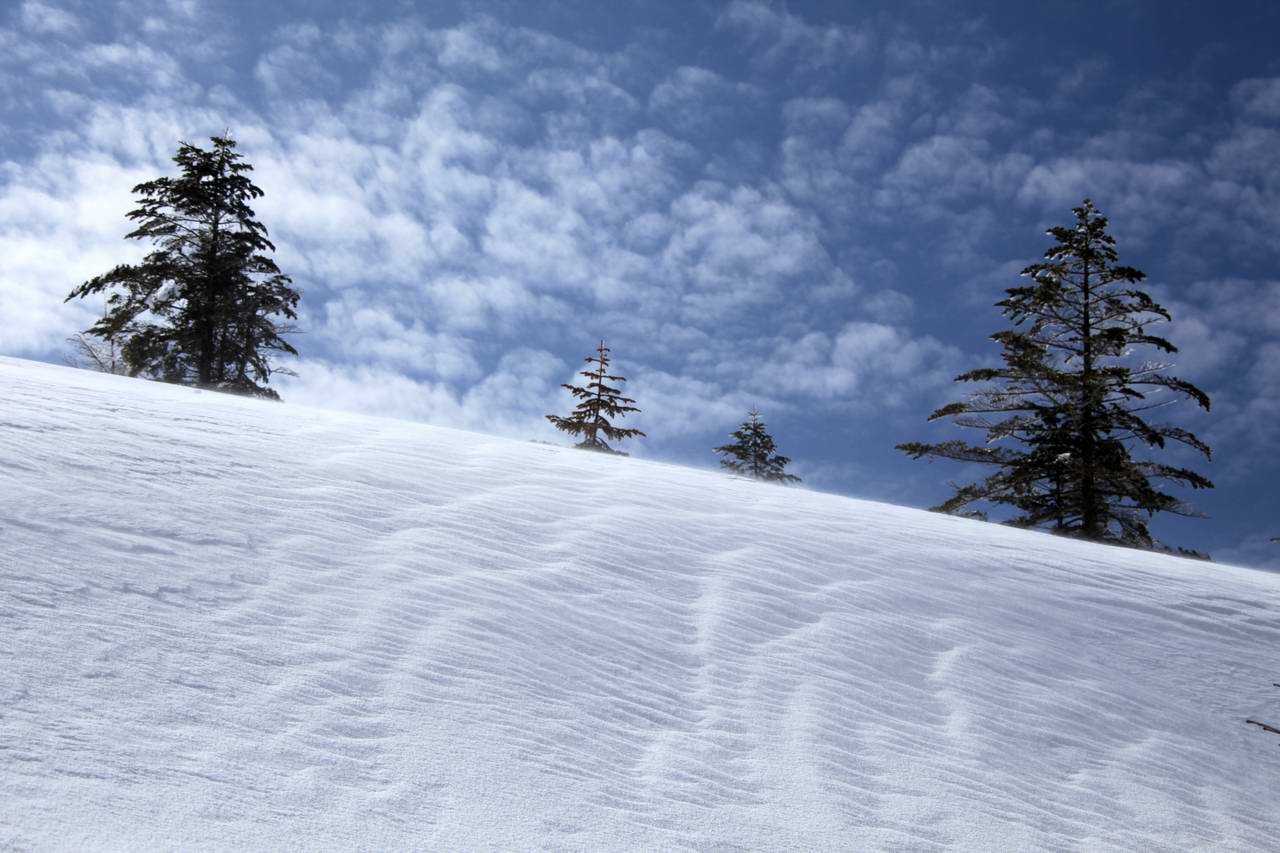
point(206, 306)
point(753, 454)
point(1066, 412)
point(598, 402)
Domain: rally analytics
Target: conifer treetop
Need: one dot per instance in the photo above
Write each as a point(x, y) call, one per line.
point(1072, 402)
point(201, 306)
point(753, 454)
point(599, 404)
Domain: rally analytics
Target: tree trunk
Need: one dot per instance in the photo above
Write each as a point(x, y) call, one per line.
point(1089, 516)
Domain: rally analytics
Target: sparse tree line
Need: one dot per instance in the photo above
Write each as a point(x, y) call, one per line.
point(208, 306)
point(1065, 417)
point(600, 402)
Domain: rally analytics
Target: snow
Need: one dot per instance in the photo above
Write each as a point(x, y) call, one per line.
point(229, 623)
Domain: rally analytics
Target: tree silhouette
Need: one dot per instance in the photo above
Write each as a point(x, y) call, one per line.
point(201, 308)
point(598, 403)
point(752, 453)
point(1065, 412)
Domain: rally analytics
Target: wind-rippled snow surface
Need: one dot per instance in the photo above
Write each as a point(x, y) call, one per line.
point(237, 624)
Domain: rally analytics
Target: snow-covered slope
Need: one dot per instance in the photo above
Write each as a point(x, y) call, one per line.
point(227, 623)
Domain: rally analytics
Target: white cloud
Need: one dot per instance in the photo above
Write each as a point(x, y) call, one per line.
point(54, 235)
point(942, 164)
point(1139, 195)
point(740, 246)
point(785, 37)
point(1258, 96)
point(463, 47)
point(1226, 332)
point(1082, 74)
point(510, 400)
point(1249, 152)
point(674, 406)
point(888, 306)
point(360, 328)
point(696, 100)
point(1258, 550)
point(44, 19)
point(868, 365)
point(297, 65)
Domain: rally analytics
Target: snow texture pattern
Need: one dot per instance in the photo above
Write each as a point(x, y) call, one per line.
point(228, 623)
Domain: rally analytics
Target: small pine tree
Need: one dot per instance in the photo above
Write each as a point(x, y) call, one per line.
point(598, 402)
point(1065, 411)
point(752, 453)
point(201, 309)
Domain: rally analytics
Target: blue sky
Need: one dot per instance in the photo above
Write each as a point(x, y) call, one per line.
point(805, 207)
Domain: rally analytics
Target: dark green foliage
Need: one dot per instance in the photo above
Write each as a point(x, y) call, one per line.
point(1067, 410)
point(598, 402)
point(753, 454)
point(203, 307)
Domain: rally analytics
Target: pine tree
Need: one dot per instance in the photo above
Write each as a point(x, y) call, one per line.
point(598, 402)
point(753, 453)
point(202, 308)
point(1067, 410)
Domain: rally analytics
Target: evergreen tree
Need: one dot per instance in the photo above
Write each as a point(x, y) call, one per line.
point(598, 402)
point(753, 453)
point(1068, 408)
point(202, 308)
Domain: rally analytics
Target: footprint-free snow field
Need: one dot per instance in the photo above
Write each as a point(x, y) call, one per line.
point(227, 623)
